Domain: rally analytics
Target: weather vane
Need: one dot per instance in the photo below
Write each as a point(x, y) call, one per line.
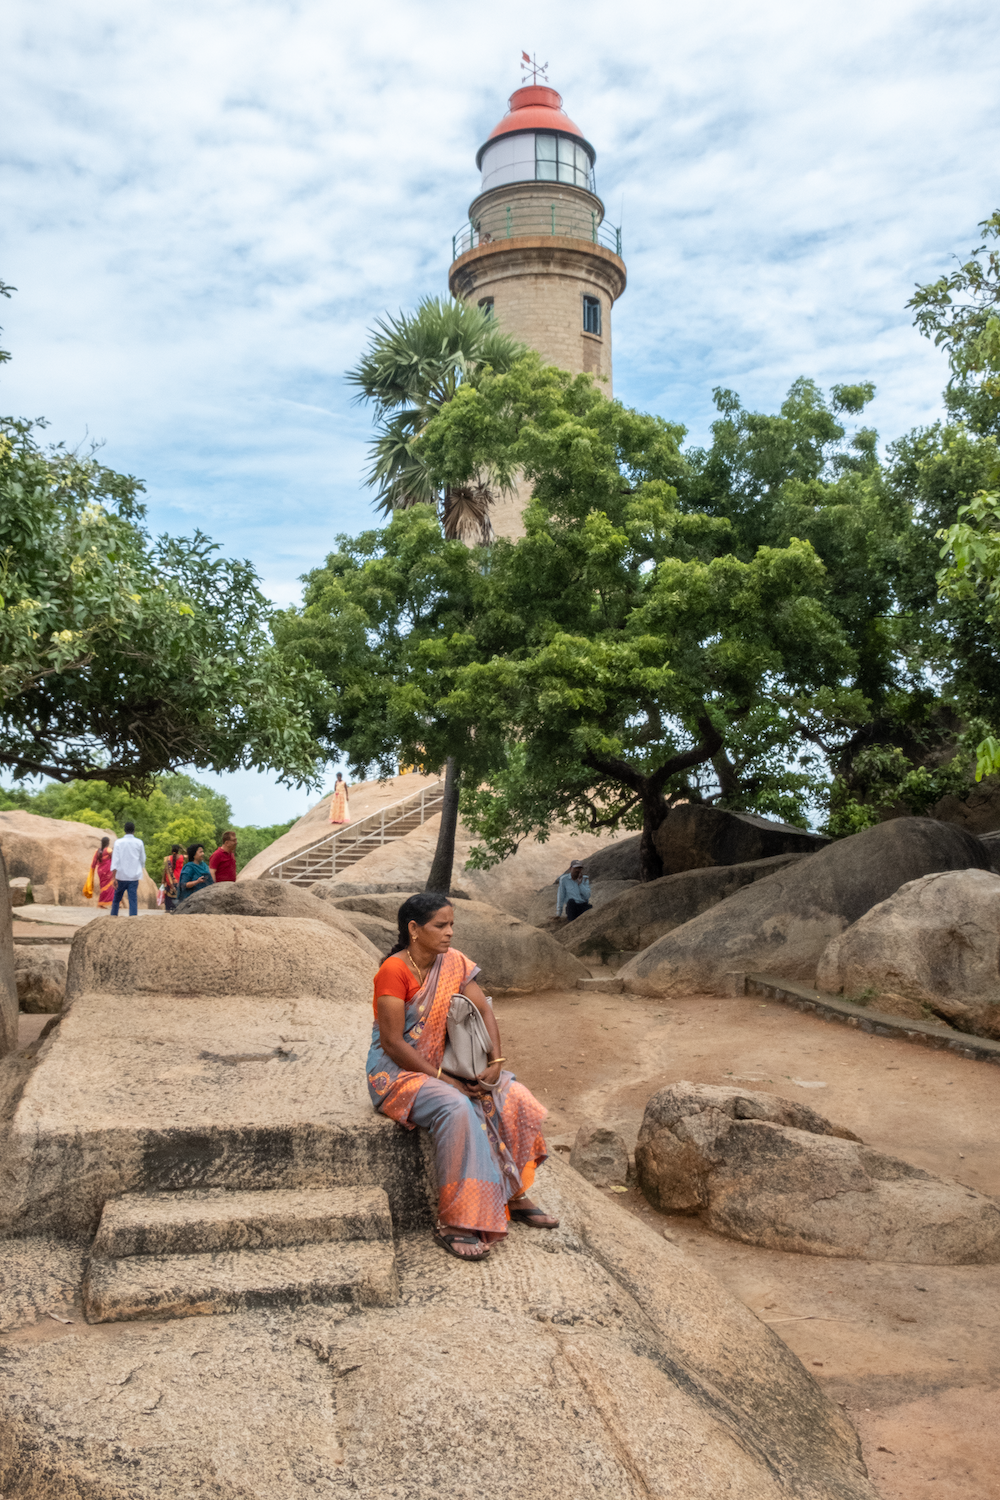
point(533, 67)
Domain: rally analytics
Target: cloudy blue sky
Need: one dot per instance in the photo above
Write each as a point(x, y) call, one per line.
point(206, 205)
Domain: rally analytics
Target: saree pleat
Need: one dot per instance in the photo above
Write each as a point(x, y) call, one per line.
point(481, 1147)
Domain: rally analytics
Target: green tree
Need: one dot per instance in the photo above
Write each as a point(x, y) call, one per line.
point(413, 367)
point(961, 313)
point(624, 644)
point(388, 620)
point(121, 656)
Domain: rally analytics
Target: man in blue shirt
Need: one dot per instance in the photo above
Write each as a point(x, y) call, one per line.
point(128, 865)
point(574, 892)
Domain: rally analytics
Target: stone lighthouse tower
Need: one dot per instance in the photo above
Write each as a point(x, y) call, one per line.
point(536, 249)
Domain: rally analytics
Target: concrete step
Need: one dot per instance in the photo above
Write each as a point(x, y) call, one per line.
point(602, 985)
point(213, 1220)
point(179, 1286)
point(171, 1255)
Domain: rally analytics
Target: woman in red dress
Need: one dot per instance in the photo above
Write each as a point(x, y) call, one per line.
point(100, 871)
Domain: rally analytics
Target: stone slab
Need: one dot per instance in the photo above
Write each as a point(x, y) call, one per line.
point(215, 1220)
point(877, 1023)
point(601, 986)
point(226, 1052)
point(179, 1286)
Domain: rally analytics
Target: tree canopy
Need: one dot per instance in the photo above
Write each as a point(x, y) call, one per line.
point(123, 656)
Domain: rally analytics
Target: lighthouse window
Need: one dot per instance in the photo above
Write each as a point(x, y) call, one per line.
point(558, 159)
point(592, 315)
point(486, 303)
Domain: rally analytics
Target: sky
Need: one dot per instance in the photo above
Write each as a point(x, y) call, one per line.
point(207, 206)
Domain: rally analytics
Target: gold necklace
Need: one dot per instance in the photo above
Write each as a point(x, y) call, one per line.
point(413, 964)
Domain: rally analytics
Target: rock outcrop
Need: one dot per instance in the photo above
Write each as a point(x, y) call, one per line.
point(771, 1172)
point(782, 925)
point(935, 941)
point(693, 836)
point(272, 898)
point(40, 974)
point(642, 913)
point(599, 1154)
point(516, 959)
point(542, 910)
point(55, 855)
point(9, 1008)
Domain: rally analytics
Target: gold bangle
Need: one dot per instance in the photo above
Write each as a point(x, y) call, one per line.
point(494, 1060)
point(438, 1073)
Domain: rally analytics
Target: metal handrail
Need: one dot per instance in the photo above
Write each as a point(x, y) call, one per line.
point(513, 221)
point(368, 830)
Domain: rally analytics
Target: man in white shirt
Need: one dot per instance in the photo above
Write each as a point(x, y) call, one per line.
point(573, 893)
point(128, 865)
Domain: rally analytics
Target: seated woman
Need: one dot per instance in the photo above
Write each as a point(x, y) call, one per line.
point(196, 875)
point(486, 1139)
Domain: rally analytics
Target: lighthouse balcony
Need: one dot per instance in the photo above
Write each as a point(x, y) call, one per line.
point(508, 221)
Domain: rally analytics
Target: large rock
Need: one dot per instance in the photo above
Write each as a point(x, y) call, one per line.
point(8, 983)
point(617, 861)
point(635, 1373)
point(640, 914)
point(693, 836)
point(781, 925)
point(55, 855)
point(272, 898)
point(223, 1052)
point(40, 974)
point(515, 959)
point(771, 1172)
point(936, 941)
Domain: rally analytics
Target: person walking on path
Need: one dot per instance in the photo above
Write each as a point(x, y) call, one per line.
point(195, 876)
point(223, 862)
point(100, 869)
point(128, 863)
point(172, 866)
point(340, 811)
point(573, 893)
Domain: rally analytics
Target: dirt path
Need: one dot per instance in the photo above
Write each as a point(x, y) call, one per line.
point(912, 1351)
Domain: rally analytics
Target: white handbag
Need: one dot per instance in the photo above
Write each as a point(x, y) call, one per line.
point(467, 1051)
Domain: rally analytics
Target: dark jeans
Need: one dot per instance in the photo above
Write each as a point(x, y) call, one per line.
point(132, 887)
point(576, 909)
point(169, 902)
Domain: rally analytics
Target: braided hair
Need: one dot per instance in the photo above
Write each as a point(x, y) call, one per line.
point(419, 908)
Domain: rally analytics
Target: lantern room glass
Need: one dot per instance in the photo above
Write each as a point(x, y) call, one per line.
point(558, 159)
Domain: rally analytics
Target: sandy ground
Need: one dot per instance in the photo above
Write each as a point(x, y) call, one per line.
point(913, 1352)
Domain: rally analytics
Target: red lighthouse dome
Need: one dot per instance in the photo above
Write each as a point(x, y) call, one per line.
point(536, 141)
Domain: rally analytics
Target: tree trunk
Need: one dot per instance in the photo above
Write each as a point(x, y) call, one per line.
point(654, 812)
point(443, 862)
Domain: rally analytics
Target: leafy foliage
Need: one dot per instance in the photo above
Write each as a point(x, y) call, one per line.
point(414, 366)
point(884, 781)
point(123, 657)
point(961, 313)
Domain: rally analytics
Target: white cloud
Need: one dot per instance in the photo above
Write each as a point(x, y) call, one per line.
point(207, 206)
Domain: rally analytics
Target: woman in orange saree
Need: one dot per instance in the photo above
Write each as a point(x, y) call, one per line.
point(486, 1135)
point(100, 870)
point(340, 811)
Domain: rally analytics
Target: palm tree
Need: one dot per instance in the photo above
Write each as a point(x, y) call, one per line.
point(413, 367)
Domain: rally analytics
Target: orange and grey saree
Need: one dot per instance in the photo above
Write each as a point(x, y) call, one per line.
point(485, 1150)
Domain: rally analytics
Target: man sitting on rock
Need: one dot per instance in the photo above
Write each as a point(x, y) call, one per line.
point(223, 862)
point(574, 892)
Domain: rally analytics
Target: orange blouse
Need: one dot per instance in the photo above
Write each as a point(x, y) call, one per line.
point(395, 977)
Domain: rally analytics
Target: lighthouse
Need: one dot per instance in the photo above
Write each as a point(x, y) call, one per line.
point(537, 251)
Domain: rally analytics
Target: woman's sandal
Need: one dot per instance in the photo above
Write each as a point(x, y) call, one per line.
point(535, 1218)
point(447, 1241)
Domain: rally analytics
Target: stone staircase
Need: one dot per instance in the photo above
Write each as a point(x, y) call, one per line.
point(172, 1255)
point(336, 851)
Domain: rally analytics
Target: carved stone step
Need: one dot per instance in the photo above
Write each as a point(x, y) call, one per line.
point(171, 1255)
point(179, 1286)
point(213, 1220)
